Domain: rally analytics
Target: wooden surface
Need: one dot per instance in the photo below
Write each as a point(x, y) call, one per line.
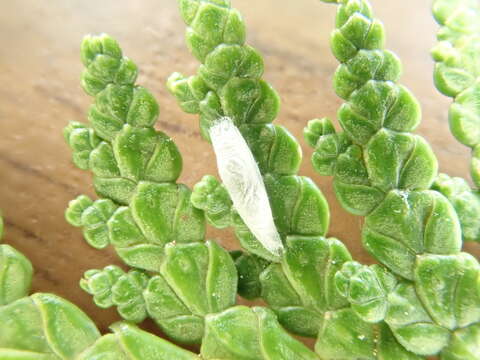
point(40, 93)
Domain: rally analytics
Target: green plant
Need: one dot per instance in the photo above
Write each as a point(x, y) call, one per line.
point(422, 299)
point(300, 284)
point(456, 74)
point(431, 299)
point(187, 286)
point(229, 85)
point(228, 82)
point(47, 327)
point(135, 167)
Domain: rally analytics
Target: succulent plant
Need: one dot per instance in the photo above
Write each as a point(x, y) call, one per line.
point(422, 298)
point(431, 299)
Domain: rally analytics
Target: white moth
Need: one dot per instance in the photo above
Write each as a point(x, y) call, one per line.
point(241, 176)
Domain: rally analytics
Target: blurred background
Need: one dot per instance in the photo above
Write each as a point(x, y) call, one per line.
point(40, 92)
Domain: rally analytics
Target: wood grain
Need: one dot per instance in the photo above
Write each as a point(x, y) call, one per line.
point(40, 93)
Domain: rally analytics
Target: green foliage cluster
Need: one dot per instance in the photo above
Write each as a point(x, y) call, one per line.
point(456, 75)
point(422, 299)
point(135, 167)
point(47, 327)
point(186, 285)
point(428, 291)
point(229, 84)
point(300, 285)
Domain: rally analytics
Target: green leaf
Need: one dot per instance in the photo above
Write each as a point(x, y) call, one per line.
point(15, 274)
point(399, 161)
point(343, 335)
point(465, 201)
point(127, 295)
point(22, 328)
point(144, 154)
point(249, 333)
point(303, 284)
point(352, 185)
point(137, 242)
point(258, 97)
point(412, 325)
point(130, 343)
point(464, 345)
point(275, 150)
point(448, 287)
point(364, 66)
point(203, 276)
point(143, 111)
point(228, 61)
point(410, 223)
point(366, 288)
point(196, 280)
point(297, 204)
point(164, 213)
point(212, 197)
point(39, 324)
point(249, 267)
point(99, 284)
point(170, 313)
point(104, 64)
